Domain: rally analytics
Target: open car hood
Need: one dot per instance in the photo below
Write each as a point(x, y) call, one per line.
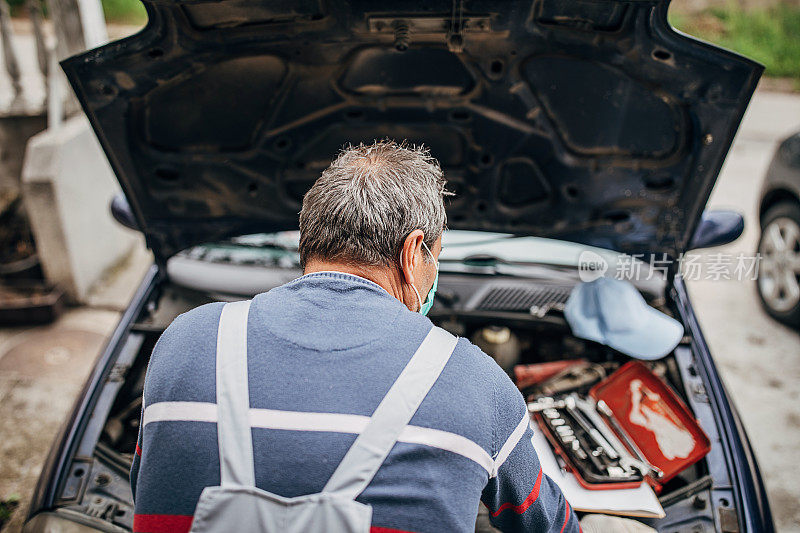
point(590, 121)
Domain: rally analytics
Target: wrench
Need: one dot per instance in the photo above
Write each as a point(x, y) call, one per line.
point(587, 426)
point(603, 407)
point(626, 460)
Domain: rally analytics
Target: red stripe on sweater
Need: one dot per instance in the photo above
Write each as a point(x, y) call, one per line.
point(168, 523)
point(161, 523)
point(566, 518)
point(138, 451)
point(521, 508)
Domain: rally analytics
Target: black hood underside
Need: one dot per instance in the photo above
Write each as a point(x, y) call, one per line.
point(590, 121)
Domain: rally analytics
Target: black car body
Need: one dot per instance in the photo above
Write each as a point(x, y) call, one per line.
point(586, 121)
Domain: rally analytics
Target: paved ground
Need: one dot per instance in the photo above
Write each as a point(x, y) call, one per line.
point(42, 370)
point(36, 393)
point(759, 359)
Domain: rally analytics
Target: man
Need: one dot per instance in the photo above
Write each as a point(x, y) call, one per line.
point(321, 353)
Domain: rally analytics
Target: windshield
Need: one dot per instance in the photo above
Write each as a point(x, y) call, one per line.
point(250, 264)
point(477, 247)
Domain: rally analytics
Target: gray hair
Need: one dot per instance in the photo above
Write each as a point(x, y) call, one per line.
point(369, 200)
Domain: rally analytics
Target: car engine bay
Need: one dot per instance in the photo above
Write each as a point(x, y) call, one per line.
point(520, 324)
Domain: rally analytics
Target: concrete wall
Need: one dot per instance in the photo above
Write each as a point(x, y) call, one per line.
point(67, 186)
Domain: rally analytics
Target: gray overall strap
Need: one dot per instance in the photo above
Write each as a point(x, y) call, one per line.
point(365, 457)
point(233, 398)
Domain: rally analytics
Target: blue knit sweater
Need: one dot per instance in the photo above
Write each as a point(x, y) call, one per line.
point(323, 350)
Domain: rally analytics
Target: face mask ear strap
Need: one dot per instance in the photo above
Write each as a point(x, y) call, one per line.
point(431, 254)
point(419, 301)
point(416, 292)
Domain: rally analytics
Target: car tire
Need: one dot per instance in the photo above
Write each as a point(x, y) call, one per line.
point(779, 268)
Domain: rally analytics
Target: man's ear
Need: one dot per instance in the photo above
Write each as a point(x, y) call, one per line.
point(411, 254)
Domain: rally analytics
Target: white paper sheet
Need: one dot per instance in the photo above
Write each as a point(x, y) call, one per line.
point(641, 501)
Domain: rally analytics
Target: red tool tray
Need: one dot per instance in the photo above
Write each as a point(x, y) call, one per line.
point(570, 467)
point(654, 417)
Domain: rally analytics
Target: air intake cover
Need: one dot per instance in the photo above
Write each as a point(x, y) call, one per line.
point(536, 300)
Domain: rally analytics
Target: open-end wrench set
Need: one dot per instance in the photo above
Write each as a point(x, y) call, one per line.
point(648, 435)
